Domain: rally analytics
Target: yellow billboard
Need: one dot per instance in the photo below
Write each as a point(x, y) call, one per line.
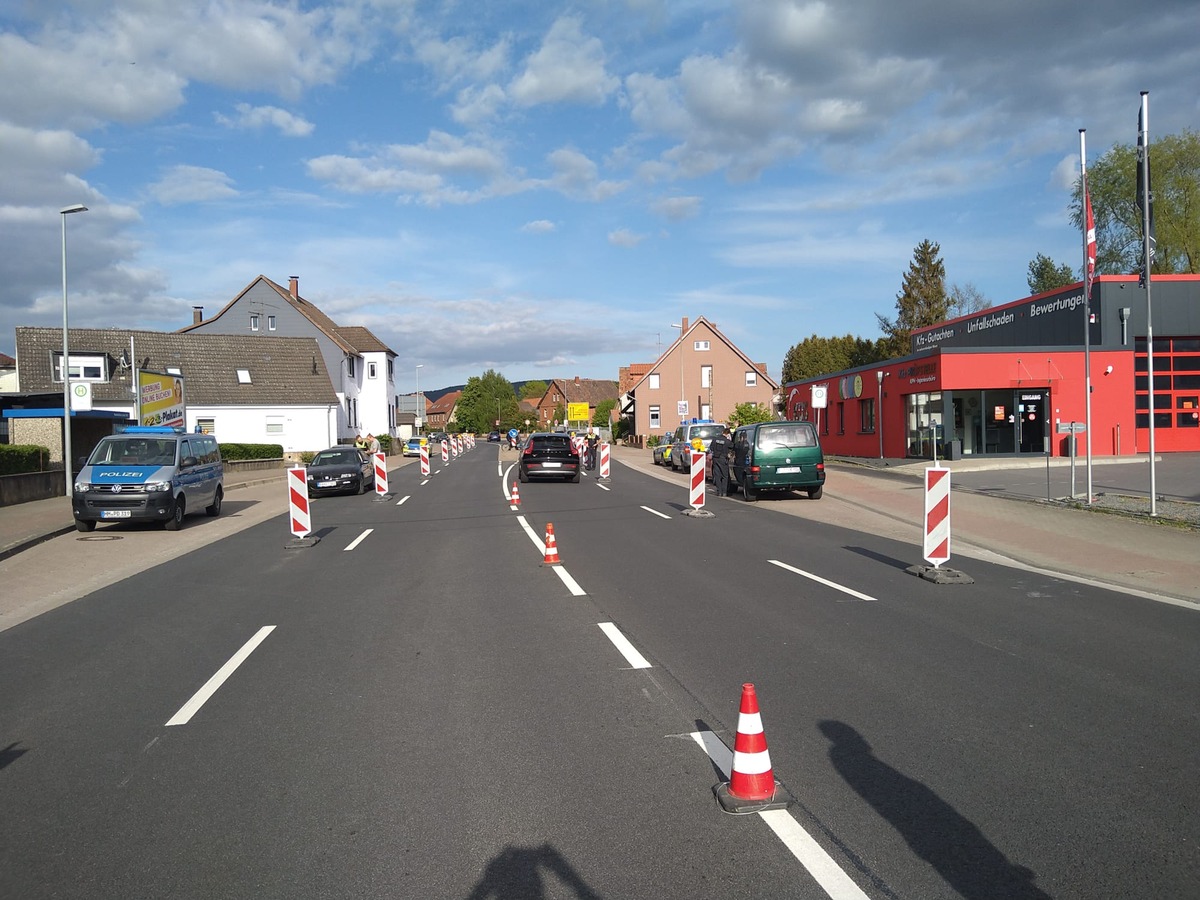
point(577, 412)
point(161, 399)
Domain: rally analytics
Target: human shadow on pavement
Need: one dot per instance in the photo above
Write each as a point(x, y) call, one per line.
point(518, 873)
point(936, 832)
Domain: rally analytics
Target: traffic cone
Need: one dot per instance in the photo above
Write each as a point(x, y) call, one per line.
point(516, 495)
point(551, 558)
point(752, 786)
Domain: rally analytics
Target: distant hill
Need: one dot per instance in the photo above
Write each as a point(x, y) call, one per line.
point(432, 396)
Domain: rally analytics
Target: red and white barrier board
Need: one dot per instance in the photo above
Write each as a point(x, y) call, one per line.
point(297, 479)
point(381, 473)
point(425, 460)
point(937, 516)
point(445, 451)
point(604, 460)
point(696, 495)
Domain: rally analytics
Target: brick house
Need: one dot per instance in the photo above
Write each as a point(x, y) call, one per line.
point(441, 411)
point(564, 391)
point(702, 370)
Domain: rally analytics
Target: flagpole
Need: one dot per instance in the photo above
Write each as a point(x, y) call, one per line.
point(1147, 238)
point(1089, 236)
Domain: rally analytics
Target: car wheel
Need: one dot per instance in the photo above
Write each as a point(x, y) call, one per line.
point(84, 525)
point(523, 476)
point(215, 509)
point(361, 488)
point(177, 513)
point(815, 493)
point(750, 493)
point(575, 478)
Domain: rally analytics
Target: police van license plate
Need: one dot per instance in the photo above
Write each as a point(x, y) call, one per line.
point(115, 514)
point(787, 470)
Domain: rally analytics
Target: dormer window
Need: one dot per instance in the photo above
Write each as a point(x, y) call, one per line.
point(243, 376)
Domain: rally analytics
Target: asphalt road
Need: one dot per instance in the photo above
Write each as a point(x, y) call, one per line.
point(425, 709)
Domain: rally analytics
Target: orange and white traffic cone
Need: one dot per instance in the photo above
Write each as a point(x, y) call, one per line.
point(551, 557)
point(516, 495)
point(752, 786)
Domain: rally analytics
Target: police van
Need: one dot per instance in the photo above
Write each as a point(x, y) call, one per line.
point(149, 473)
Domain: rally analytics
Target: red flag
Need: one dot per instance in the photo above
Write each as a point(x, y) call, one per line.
point(1091, 236)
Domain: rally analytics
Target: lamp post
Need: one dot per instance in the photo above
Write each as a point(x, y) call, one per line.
point(879, 409)
point(66, 354)
point(679, 325)
point(420, 405)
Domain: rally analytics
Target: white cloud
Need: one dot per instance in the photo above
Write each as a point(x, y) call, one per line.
point(192, 184)
point(676, 209)
point(577, 176)
point(568, 67)
point(623, 237)
point(539, 226)
point(258, 117)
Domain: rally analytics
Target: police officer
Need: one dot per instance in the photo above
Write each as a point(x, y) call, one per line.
point(720, 448)
point(591, 442)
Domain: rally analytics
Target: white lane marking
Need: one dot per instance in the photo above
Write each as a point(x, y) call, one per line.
point(635, 659)
point(358, 540)
point(826, 582)
point(827, 873)
point(400, 502)
point(656, 512)
point(201, 696)
point(425, 482)
point(537, 541)
point(603, 487)
point(572, 585)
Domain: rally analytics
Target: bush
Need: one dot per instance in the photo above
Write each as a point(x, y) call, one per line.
point(653, 440)
point(385, 442)
point(232, 452)
point(16, 459)
point(307, 456)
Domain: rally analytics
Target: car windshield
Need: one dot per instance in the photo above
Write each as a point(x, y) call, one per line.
point(135, 451)
point(786, 435)
point(336, 458)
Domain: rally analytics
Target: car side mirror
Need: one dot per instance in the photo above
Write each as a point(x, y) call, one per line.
point(188, 462)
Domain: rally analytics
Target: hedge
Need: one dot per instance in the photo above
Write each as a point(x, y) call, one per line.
point(251, 451)
point(16, 459)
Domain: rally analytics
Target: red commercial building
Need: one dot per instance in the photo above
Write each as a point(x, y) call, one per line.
point(1011, 380)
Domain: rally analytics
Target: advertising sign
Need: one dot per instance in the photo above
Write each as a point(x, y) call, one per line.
point(161, 399)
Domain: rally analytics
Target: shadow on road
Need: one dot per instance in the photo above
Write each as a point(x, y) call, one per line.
point(10, 754)
point(517, 873)
point(938, 833)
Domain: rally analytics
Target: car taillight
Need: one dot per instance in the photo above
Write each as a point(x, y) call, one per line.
point(821, 468)
point(528, 448)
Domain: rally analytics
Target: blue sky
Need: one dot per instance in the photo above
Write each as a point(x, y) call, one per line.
point(542, 188)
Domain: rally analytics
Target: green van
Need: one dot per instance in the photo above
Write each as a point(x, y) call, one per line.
point(777, 456)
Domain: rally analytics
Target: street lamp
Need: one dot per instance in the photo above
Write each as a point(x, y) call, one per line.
point(679, 325)
point(66, 355)
point(420, 405)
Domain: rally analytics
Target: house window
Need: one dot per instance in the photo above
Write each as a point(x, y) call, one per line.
point(841, 408)
point(274, 424)
point(700, 345)
point(391, 369)
point(254, 321)
point(350, 366)
point(706, 377)
point(751, 379)
point(270, 323)
point(372, 369)
point(207, 426)
point(655, 418)
point(866, 413)
point(174, 370)
point(705, 411)
point(654, 381)
point(83, 368)
point(243, 376)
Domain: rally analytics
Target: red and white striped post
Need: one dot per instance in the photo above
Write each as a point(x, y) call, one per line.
point(297, 479)
point(445, 452)
point(937, 515)
point(425, 460)
point(604, 460)
point(381, 473)
point(696, 496)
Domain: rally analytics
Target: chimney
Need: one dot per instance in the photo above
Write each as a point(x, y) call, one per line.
point(683, 330)
point(577, 379)
point(197, 315)
point(294, 287)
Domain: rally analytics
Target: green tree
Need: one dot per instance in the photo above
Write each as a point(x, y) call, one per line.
point(603, 412)
point(486, 398)
point(1175, 180)
point(1047, 275)
point(922, 299)
point(748, 414)
point(966, 299)
point(533, 390)
point(815, 356)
